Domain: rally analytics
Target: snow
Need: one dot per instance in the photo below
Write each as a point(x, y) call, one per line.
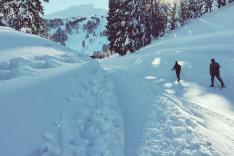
point(163, 117)
point(54, 101)
point(75, 39)
point(75, 11)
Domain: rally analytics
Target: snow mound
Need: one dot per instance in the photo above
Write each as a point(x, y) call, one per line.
point(54, 101)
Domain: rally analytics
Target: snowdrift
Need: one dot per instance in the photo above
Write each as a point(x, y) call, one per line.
point(54, 101)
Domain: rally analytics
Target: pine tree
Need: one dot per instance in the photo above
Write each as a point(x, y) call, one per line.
point(24, 15)
point(208, 5)
point(158, 13)
point(128, 26)
point(116, 26)
point(114, 20)
point(184, 13)
point(138, 29)
point(173, 19)
point(196, 8)
point(68, 28)
point(221, 3)
point(1, 13)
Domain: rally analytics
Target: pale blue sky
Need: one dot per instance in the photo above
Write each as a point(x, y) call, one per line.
point(57, 5)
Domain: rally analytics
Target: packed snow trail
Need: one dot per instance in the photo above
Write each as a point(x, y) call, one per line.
point(54, 102)
point(162, 117)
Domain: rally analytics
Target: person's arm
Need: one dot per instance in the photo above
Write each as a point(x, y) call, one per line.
point(173, 68)
point(211, 70)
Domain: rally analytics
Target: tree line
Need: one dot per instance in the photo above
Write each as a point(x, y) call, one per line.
point(133, 24)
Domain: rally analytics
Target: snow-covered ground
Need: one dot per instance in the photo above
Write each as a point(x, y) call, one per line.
point(54, 101)
point(164, 118)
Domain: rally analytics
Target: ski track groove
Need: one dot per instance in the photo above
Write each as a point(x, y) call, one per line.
point(172, 129)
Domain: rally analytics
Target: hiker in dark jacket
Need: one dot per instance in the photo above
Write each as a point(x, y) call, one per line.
point(215, 72)
point(177, 69)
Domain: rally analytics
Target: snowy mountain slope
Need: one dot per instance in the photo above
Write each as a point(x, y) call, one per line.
point(54, 101)
point(83, 34)
point(80, 10)
point(162, 117)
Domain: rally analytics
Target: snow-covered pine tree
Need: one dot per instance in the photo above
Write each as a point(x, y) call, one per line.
point(6, 11)
point(24, 15)
point(196, 8)
point(184, 13)
point(208, 5)
point(1, 13)
point(138, 28)
point(68, 28)
point(116, 26)
point(60, 36)
point(221, 3)
point(83, 44)
point(157, 12)
point(128, 27)
point(160, 19)
point(173, 16)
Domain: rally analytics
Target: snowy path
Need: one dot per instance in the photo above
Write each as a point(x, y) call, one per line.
point(164, 118)
point(160, 119)
point(134, 110)
point(54, 102)
point(88, 121)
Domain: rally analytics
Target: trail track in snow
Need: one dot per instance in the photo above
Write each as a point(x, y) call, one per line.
point(162, 117)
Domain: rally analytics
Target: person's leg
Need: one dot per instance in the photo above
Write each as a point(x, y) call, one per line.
point(220, 80)
point(212, 80)
point(178, 76)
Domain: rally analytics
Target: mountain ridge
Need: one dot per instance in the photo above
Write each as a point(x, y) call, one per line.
point(78, 10)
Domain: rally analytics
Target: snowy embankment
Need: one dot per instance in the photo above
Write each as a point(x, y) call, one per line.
point(54, 101)
point(162, 117)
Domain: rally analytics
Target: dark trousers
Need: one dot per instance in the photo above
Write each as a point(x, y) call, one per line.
point(218, 77)
point(178, 75)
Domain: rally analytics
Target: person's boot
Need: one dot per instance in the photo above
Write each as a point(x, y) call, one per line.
point(222, 85)
point(212, 85)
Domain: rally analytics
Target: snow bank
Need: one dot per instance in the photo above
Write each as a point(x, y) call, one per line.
point(54, 101)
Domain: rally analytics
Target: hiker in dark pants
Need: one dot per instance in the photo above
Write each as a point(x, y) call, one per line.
point(177, 69)
point(215, 72)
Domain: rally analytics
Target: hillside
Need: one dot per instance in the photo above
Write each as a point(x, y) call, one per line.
point(76, 11)
point(54, 101)
point(83, 34)
point(163, 117)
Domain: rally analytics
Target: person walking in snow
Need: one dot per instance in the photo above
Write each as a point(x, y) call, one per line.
point(215, 72)
point(177, 68)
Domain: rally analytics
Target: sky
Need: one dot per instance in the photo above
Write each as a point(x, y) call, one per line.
point(57, 5)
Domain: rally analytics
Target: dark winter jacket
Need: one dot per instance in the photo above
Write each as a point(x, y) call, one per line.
point(177, 67)
point(214, 68)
